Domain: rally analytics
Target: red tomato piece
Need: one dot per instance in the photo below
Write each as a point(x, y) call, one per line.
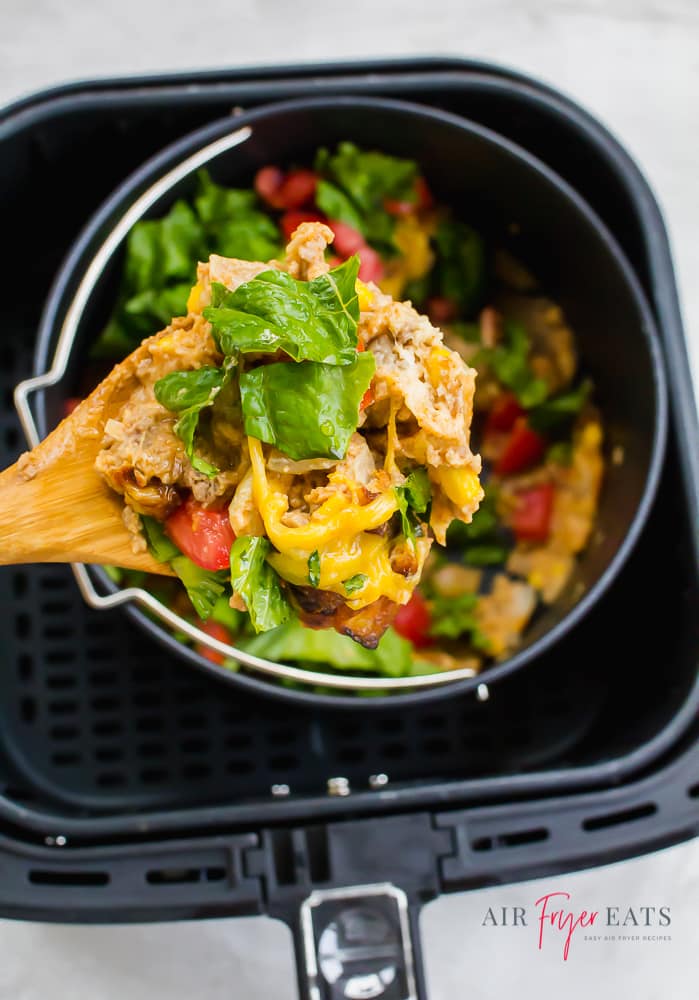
point(440, 309)
point(70, 404)
point(290, 221)
point(424, 195)
point(395, 207)
point(523, 448)
point(216, 631)
point(504, 412)
point(204, 536)
point(370, 266)
point(268, 184)
point(531, 520)
point(298, 188)
point(413, 621)
point(347, 240)
point(367, 399)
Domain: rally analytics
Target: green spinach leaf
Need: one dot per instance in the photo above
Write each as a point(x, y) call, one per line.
point(306, 410)
point(308, 320)
point(254, 579)
point(188, 393)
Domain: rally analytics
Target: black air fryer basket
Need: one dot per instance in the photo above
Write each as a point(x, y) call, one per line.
point(134, 788)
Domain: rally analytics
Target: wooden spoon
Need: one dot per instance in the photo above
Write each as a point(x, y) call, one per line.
point(55, 507)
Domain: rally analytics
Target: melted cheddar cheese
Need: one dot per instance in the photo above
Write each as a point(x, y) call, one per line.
point(339, 531)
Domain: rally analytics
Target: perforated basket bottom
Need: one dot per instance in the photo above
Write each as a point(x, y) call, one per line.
point(98, 719)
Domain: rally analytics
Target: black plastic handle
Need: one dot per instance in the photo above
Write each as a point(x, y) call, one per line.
point(359, 943)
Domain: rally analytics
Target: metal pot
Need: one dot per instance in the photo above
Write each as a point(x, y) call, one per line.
point(501, 189)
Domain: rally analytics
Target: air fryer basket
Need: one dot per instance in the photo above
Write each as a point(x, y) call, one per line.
point(496, 187)
point(135, 790)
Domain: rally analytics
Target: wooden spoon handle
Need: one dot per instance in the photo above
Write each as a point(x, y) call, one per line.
point(62, 512)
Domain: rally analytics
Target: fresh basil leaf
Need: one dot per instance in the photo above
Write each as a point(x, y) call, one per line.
point(308, 320)
point(337, 205)
point(355, 583)
point(294, 643)
point(509, 362)
point(254, 579)
point(306, 410)
point(460, 265)
point(560, 409)
point(314, 568)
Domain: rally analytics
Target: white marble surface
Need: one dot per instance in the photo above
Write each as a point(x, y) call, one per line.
point(635, 64)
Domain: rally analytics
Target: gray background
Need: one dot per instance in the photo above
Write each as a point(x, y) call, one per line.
point(633, 63)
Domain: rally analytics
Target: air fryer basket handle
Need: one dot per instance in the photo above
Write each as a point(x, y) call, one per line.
point(359, 943)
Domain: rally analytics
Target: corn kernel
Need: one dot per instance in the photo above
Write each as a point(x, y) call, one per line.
point(460, 485)
point(364, 294)
point(194, 298)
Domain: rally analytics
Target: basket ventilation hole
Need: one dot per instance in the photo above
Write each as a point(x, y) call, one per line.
point(177, 876)
point(61, 878)
point(617, 818)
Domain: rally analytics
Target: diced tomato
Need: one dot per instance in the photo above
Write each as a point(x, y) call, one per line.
point(413, 621)
point(268, 184)
point(395, 207)
point(216, 631)
point(440, 309)
point(298, 188)
point(367, 398)
point(290, 221)
point(523, 448)
point(70, 404)
point(424, 195)
point(505, 411)
point(531, 520)
point(204, 536)
point(347, 239)
point(370, 266)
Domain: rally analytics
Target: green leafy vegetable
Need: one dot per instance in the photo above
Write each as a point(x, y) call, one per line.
point(188, 393)
point(159, 545)
point(254, 579)
point(413, 497)
point(309, 320)
point(204, 587)
point(509, 361)
point(560, 409)
point(294, 643)
point(453, 617)
point(229, 617)
point(161, 255)
point(314, 568)
point(337, 205)
point(485, 555)
point(355, 583)
point(482, 542)
point(306, 410)
point(460, 265)
point(360, 182)
point(561, 453)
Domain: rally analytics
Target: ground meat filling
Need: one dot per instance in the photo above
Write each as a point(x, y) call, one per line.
point(419, 415)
